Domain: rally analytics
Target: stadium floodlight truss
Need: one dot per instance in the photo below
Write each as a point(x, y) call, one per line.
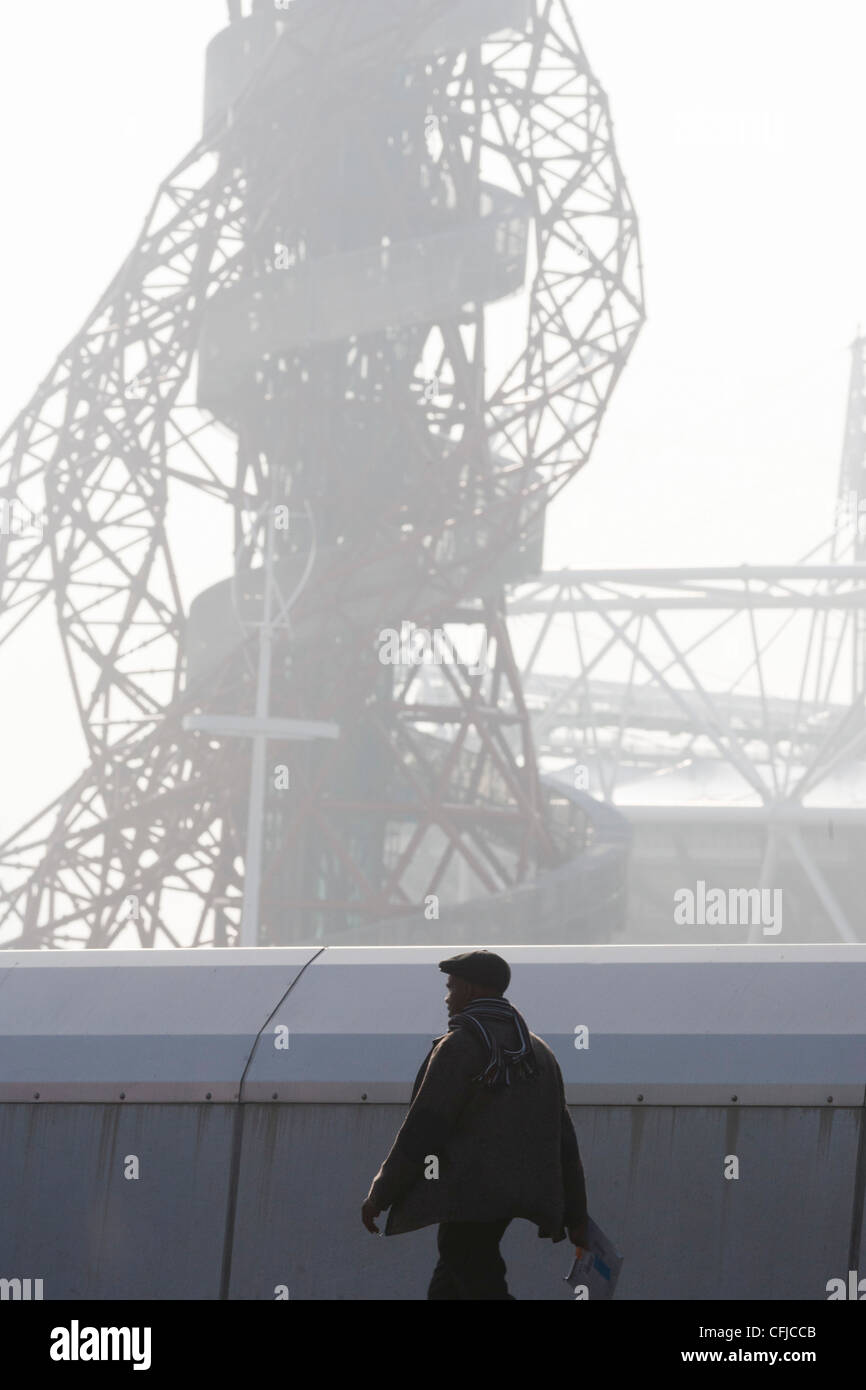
point(401, 273)
point(664, 629)
point(655, 729)
point(732, 699)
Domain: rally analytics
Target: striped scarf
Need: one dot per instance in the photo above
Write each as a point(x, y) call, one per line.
point(501, 1061)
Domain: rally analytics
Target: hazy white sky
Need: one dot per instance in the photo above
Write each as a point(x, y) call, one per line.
point(740, 128)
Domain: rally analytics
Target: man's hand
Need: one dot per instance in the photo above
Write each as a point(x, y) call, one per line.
point(577, 1235)
point(369, 1212)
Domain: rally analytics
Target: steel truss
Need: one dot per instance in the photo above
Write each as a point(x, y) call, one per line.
point(654, 728)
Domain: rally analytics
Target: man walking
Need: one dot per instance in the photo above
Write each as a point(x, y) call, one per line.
point(487, 1139)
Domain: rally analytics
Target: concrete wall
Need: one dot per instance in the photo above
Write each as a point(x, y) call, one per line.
point(254, 1157)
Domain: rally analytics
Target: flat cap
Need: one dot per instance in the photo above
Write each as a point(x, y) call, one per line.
point(480, 968)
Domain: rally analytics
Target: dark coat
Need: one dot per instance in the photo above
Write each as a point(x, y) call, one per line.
point(510, 1151)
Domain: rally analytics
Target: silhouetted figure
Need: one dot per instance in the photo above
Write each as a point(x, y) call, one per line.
point(487, 1139)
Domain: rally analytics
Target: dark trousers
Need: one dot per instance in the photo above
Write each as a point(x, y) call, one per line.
point(470, 1265)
